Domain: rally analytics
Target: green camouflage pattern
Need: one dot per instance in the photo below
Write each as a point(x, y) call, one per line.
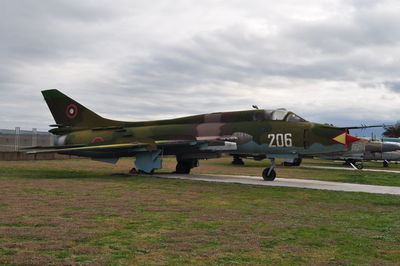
point(255, 133)
point(251, 129)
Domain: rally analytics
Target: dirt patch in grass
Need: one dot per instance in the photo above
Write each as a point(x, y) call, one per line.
point(59, 214)
point(86, 168)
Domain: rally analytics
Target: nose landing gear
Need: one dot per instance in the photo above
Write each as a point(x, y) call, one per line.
point(385, 163)
point(269, 173)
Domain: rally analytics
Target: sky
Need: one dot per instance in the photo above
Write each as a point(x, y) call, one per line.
point(328, 61)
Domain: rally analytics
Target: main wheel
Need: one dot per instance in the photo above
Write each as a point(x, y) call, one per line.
point(237, 160)
point(271, 175)
point(297, 162)
point(133, 171)
point(145, 173)
point(359, 166)
point(385, 163)
point(182, 168)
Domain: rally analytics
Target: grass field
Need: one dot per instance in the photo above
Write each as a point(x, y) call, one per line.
point(76, 212)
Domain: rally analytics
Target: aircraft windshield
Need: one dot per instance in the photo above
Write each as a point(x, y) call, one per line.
point(283, 114)
point(279, 114)
point(294, 118)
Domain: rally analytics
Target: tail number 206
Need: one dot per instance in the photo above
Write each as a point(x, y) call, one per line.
point(280, 140)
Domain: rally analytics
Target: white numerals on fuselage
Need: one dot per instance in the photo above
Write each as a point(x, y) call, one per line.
point(280, 140)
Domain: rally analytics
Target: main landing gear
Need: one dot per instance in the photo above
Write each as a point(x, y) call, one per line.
point(355, 164)
point(269, 173)
point(135, 171)
point(385, 163)
point(359, 165)
point(237, 160)
point(184, 166)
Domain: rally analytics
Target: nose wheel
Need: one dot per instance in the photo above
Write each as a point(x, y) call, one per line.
point(269, 173)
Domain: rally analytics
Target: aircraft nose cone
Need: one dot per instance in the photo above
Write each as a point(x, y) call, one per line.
point(390, 146)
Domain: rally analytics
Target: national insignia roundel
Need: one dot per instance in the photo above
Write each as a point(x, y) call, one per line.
point(71, 111)
point(97, 139)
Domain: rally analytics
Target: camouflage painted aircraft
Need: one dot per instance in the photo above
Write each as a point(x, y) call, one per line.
point(258, 133)
point(357, 152)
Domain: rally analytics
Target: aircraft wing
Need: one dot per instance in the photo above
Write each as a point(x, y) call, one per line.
point(110, 147)
point(208, 145)
point(58, 147)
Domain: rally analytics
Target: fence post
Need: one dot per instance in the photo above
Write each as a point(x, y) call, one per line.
point(17, 133)
point(52, 140)
point(34, 136)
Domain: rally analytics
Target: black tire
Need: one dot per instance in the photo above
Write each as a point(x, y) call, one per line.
point(237, 160)
point(297, 162)
point(133, 171)
point(385, 163)
point(182, 168)
point(145, 173)
point(270, 177)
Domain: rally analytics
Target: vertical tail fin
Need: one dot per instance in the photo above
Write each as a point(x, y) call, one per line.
point(67, 112)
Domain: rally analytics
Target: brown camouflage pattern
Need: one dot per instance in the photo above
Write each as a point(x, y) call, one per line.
point(250, 130)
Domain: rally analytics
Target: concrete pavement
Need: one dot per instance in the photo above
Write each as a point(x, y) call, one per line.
point(287, 182)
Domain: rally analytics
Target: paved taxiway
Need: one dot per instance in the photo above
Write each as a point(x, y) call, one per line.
point(349, 168)
point(287, 182)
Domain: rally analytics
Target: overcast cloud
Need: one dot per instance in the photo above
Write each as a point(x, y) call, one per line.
point(328, 61)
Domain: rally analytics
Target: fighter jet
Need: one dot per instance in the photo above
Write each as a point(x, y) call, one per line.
point(391, 140)
point(367, 150)
point(258, 133)
point(385, 157)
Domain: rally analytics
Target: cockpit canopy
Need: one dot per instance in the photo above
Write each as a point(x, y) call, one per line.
point(278, 114)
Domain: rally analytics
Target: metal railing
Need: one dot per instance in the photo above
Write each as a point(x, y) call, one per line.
point(17, 139)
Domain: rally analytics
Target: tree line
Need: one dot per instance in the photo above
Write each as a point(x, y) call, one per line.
point(392, 131)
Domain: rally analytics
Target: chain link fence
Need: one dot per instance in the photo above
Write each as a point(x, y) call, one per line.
point(17, 139)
